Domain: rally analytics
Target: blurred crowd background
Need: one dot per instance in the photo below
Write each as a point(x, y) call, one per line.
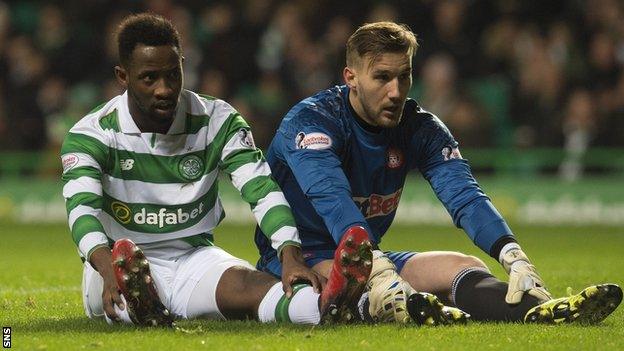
point(500, 73)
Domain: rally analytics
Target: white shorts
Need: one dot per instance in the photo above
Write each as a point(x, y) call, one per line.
point(175, 278)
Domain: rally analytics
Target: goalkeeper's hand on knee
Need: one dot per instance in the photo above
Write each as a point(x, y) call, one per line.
point(523, 277)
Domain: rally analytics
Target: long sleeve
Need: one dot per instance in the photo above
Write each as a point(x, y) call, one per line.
point(451, 179)
point(82, 156)
point(251, 175)
point(311, 146)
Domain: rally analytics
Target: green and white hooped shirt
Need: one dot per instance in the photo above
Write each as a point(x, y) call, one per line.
point(150, 187)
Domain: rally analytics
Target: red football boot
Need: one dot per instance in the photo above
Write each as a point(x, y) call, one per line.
point(353, 260)
point(137, 286)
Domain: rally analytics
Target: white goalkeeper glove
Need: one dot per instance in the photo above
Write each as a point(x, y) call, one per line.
point(522, 275)
point(387, 291)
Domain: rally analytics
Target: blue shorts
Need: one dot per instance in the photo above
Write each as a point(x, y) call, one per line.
point(272, 265)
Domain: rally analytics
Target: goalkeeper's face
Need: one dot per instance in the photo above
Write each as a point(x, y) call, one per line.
point(379, 87)
point(153, 78)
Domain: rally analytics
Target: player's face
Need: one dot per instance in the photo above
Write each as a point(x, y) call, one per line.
point(153, 79)
point(379, 89)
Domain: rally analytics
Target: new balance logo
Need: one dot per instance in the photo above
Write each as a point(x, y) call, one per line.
point(378, 205)
point(126, 164)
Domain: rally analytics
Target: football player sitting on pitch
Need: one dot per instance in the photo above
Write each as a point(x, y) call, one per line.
point(143, 168)
point(341, 158)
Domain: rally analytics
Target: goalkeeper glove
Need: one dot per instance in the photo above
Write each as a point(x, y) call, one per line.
point(522, 275)
point(387, 291)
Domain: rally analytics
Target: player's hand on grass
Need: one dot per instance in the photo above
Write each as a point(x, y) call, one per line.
point(110, 296)
point(101, 260)
point(523, 277)
point(294, 270)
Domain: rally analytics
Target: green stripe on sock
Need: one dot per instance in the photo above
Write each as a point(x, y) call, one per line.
point(298, 287)
point(281, 310)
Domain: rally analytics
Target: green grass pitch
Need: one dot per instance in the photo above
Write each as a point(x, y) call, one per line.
point(40, 298)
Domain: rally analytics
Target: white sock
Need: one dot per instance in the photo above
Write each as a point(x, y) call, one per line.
point(122, 314)
point(304, 307)
point(301, 308)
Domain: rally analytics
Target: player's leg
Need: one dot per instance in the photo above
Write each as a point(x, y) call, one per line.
point(323, 267)
point(264, 298)
point(230, 288)
point(389, 298)
point(465, 282)
point(435, 271)
point(146, 308)
point(212, 284)
point(468, 284)
point(273, 269)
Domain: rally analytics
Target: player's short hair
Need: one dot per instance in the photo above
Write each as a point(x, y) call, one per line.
point(145, 28)
point(378, 38)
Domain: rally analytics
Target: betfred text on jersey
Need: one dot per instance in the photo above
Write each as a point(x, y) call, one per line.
point(378, 205)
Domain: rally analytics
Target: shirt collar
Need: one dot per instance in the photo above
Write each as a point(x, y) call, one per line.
point(128, 126)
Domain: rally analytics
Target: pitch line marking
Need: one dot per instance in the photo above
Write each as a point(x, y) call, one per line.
point(22, 291)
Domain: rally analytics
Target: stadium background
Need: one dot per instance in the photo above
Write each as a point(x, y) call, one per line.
point(533, 90)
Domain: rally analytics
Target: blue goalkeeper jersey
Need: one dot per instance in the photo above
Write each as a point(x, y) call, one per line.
point(335, 173)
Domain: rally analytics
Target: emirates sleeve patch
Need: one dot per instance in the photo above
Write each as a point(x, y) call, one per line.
point(450, 153)
point(313, 141)
point(246, 138)
point(69, 161)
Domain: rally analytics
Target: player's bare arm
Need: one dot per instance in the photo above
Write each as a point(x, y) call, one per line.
point(294, 270)
point(101, 260)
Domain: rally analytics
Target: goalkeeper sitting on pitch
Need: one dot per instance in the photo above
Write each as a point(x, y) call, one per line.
point(341, 158)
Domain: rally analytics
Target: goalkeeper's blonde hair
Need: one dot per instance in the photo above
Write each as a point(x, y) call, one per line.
point(374, 39)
